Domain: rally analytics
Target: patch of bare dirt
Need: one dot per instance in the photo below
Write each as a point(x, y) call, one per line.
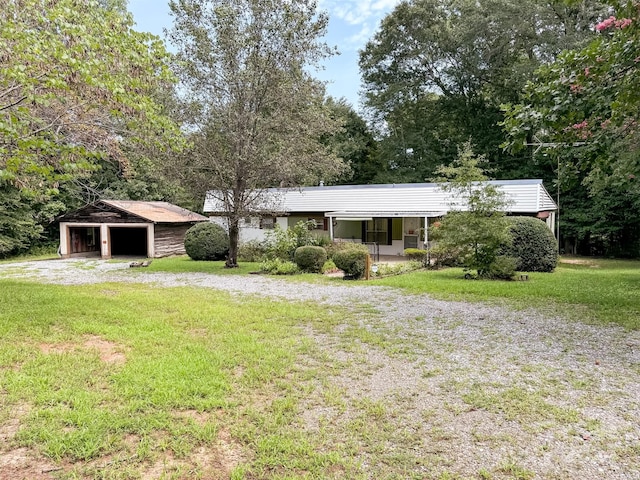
point(218, 462)
point(215, 461)
point(109, 352)
point(20, 463)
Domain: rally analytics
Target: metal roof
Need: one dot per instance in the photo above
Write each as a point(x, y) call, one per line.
point(157, 212)
point(410, 199)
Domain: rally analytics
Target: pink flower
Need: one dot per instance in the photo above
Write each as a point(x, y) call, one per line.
point(586, 72)
point(575, 88)
point(623, 22)
point(603, 25)
point(613, 22)
point(578, 126)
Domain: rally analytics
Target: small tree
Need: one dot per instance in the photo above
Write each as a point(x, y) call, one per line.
point(476, 227)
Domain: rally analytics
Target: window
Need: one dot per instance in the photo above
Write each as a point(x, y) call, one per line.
point(267, 223)
point(377, 231)
point(321, 223)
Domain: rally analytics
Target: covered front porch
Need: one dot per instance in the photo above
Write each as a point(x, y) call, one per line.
point(388, 234)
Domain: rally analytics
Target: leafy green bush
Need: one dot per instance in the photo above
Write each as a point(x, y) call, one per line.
point(329, 266)
point(417, 255)
point(502, 268)
point(533, 245)
point(206, 241)
point(339, 246)
point(251, 251)
point(277, 266)
point(310, 258)
point(352, 261)
point(390, 269)
point(282, 243)
point(445, 256)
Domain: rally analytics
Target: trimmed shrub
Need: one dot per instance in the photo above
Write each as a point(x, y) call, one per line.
point(339, 246)
point(417, 255)
point(277, 266)
point(533, 246)
point(352, 261)
point(206, 241)
point(310, 258)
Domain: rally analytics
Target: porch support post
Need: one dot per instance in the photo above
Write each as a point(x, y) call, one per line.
point(151, 241)
point(426, 232)
point(105, 241)
point(331, 228)
point(64, 249)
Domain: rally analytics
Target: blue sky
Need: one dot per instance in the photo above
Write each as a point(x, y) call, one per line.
point(351, 24)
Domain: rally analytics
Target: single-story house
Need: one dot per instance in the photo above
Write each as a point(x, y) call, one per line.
point(124, 227)
point(392, 217)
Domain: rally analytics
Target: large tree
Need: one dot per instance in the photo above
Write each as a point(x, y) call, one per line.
point(437, 71)
point(255, 114)
point(355, 144)
point(77, 84)
point(583, 110)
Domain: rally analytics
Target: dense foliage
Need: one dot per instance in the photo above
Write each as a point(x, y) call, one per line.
point(282, 243)
point(256, 114)
point(351, 259)
point(417, 254)
point(533, 245)
point(277, 266)
point(475, 228)
point(206, 241)
point(310, 258)
point(583, 111)
point(78, 87)
point(437, 71)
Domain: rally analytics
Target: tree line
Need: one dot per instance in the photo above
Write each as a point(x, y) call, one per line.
point(90, 108)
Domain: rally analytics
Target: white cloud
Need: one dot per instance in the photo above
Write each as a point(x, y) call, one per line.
point(358, 12)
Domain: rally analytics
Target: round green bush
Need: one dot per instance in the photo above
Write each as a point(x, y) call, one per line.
point(533, 245)
point(206, 241)
point(352, 261)
point(310, 258)
point(417, 254)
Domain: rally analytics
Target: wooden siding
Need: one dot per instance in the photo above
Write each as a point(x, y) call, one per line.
point(169, 239)
point(101, 214)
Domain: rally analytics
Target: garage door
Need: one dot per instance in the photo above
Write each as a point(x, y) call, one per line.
point(128, 241)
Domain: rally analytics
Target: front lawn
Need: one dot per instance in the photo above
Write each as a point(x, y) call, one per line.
point(123, 381)
point(592, 290)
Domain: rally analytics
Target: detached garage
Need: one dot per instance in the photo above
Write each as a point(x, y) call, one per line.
point(126, 228)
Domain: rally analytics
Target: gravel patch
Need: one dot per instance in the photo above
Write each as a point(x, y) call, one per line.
point(454, 388)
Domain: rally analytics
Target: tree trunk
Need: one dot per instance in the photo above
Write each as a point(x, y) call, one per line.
point(234, 234)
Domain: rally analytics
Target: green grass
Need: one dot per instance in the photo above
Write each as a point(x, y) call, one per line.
point(183, 264)
point(142, 375)
point(603, 291)
point(593, 290)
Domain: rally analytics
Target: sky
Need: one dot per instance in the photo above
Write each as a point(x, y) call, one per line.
point(351, 24)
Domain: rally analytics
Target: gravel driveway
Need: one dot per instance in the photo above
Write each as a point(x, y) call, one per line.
point(458, 389)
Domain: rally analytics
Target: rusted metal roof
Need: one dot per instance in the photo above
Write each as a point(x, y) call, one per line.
point(157, 212)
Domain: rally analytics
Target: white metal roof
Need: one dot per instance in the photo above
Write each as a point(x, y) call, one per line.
point(408, 199)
